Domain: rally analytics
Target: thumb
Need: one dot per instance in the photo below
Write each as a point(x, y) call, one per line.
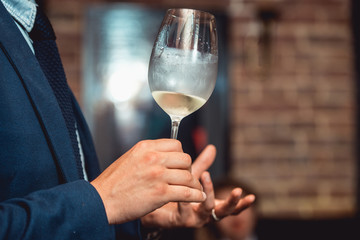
point(203, 161)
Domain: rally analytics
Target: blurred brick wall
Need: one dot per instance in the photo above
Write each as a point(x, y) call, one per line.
point(292, 97)
point(293, 119)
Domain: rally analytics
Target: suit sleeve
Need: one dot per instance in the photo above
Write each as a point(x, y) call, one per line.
point(69, 211)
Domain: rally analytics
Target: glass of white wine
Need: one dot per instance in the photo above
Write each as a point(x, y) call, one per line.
point(184, 62)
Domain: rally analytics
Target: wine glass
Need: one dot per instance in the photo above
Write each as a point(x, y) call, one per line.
point(183, 64)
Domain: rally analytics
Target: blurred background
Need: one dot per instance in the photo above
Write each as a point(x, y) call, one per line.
point(283, 115)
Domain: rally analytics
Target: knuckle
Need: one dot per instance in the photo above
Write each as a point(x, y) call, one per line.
point(151, 157)
point(143, 144)
point(187, 159)
point(178, 144)
point(156, 173)
point(189, 178)
point(187, 193)
point(160, 189)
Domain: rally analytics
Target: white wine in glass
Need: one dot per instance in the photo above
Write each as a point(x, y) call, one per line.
point(184, 62)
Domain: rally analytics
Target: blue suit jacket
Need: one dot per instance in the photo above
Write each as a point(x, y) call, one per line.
point(41, 194)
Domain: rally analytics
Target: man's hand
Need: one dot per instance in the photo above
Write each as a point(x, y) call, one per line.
point(149, 175)
point(197, 214)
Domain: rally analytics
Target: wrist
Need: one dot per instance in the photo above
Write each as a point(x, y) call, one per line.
point(105, 202)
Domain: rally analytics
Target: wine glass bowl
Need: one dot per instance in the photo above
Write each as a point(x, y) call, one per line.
point(183, 64)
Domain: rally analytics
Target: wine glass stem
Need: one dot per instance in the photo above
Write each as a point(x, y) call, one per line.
point(174, 128)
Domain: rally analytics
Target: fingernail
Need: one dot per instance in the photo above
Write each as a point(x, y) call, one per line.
point(204, 195)
point(251, 197)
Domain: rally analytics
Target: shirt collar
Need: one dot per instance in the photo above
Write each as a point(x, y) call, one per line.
point(23, 11)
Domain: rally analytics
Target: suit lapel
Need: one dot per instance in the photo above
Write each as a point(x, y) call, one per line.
point(40, 94)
